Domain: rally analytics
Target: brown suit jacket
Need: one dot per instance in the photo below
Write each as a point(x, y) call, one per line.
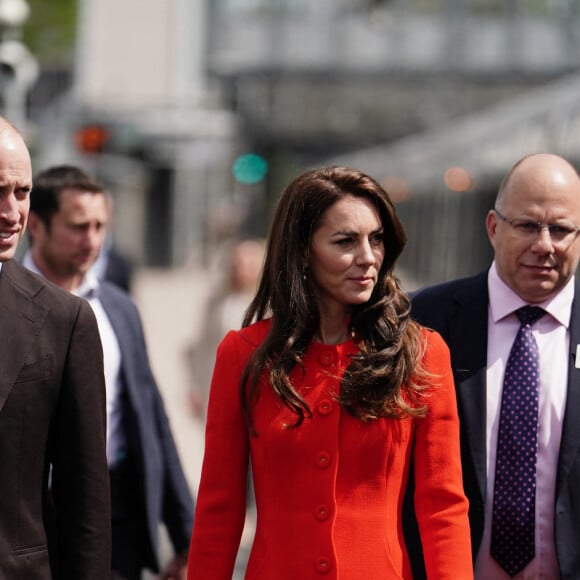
point(54, 481)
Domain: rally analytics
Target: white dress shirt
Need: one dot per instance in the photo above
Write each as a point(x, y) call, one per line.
point(89, 290)
point(552, 335)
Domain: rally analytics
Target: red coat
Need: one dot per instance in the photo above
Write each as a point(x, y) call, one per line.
point(328, 493)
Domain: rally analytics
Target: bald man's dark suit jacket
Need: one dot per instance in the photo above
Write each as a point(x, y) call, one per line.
point(163, 491)
point(52, 420)
point(458, 310)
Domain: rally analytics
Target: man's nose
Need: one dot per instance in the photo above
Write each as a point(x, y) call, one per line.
point(544, 240)
point(9, 208)
point(93, 238)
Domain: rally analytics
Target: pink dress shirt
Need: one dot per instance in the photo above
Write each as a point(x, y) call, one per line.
point(552, 334)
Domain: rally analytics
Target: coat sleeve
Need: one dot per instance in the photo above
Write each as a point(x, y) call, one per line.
point(177, 499)
point(221, 500)
point(80, 475)
point(440, 503)
point(176, 496)
point(167, 492)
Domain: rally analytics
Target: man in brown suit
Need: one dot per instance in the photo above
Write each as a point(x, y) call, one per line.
point(54, 483)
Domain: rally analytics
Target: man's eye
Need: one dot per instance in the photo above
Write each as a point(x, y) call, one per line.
point(22, 193)
point(561, 230)
point(527, 227)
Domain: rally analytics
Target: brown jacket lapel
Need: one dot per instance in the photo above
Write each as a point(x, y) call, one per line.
point(21, 316)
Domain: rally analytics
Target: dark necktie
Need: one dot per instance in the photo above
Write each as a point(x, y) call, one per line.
point(514, 497)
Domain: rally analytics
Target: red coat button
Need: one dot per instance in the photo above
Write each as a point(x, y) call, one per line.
point(323, 565)
point(323, 459)
point(325, 407)
point(326, 358)
point(321, 513)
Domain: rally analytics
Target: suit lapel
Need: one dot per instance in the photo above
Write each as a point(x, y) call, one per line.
point(114, 313)
point(571, 429)
point(117, 314)
point(20, 320)
point(468, 343)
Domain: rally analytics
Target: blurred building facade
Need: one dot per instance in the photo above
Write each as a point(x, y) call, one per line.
point(167, 95)
point(445, 180)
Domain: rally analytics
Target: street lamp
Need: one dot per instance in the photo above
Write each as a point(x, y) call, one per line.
point(13, 13)
point(18, 68)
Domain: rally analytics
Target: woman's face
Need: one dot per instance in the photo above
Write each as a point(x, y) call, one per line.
point(346, 253)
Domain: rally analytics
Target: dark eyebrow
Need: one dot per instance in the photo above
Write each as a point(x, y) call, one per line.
point(353, 233)
point(19, 187)
point(556, 222)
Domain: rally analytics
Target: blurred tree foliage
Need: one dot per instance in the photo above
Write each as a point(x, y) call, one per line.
point(49, 32)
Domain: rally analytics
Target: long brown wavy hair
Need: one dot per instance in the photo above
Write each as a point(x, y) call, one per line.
point(382, 380)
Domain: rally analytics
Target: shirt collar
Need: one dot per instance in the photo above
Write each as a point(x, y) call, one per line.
point(503, 301)
point(89, 287)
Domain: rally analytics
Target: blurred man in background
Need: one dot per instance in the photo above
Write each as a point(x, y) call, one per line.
point(68, 223)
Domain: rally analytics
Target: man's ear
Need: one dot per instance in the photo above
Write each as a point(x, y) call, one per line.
point(491, 225)
point(34, 223)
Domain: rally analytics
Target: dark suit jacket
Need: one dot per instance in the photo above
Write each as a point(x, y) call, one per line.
point(52, 414)
point(119, 269)
point(458, 310)
point(165, 490)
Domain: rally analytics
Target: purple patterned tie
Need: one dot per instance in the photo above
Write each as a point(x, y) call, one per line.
point(514, 496)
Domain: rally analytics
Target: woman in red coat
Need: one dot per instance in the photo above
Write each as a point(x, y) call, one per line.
point(332, 395)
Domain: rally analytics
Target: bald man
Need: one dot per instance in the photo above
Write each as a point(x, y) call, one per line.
point(533, 229)
point(54, 481)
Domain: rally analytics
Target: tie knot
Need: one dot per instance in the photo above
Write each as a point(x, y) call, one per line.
point(529, 314)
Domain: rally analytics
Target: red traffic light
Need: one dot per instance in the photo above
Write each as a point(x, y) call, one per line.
point(92, 138)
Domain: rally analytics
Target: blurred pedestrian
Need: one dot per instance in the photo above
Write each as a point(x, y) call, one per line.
point(68, 222)
point(514, 332)
point(54, 490)
point(329, 394)
point(224, 311)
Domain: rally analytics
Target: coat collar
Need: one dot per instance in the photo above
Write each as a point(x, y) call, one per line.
point(22, 314)
point(570, 443)
point(468, 344)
